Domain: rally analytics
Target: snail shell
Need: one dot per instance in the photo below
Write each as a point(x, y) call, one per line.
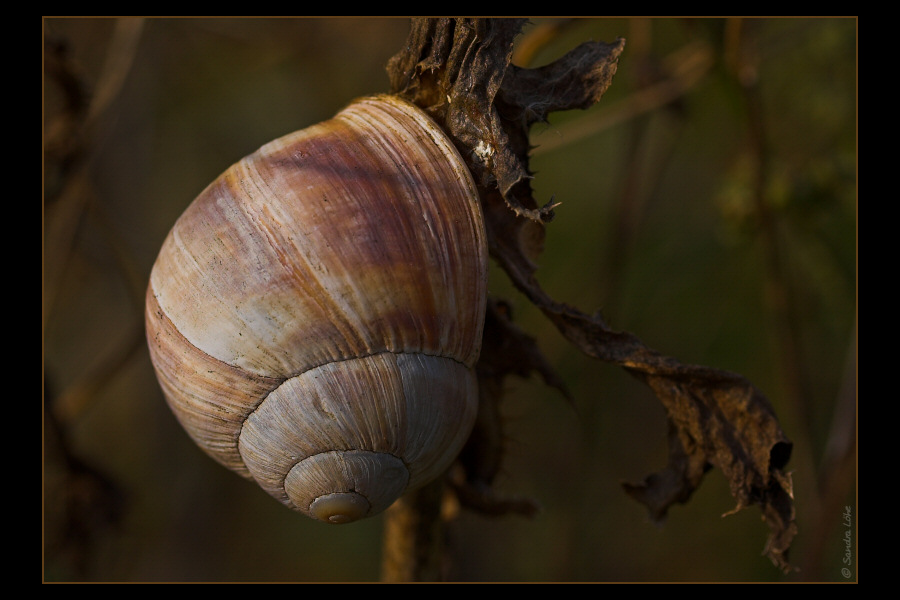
point(315, 314)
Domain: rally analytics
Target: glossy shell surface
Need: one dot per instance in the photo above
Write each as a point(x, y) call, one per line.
point(315, 315)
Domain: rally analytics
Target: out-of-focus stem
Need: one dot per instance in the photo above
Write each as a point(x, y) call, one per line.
point(413, 536)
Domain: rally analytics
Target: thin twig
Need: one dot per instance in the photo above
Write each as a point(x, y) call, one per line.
point(686, 68)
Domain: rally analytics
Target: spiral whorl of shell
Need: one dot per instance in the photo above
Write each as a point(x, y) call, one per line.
point(315, 315)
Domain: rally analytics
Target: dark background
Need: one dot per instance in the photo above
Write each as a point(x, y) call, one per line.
point(718, 224)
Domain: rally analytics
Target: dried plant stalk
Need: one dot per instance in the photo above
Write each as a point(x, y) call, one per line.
point(459, 71)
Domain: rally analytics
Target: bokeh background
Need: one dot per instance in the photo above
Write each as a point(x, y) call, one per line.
point(709, 206)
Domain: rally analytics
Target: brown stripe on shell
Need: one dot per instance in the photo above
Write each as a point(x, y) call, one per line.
point(209, 398)
point(339, 234)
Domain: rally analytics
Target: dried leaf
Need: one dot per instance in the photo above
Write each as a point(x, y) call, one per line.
point(459, 70)
point(507, 350)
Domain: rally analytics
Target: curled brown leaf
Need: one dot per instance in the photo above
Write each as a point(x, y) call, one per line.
point(459, 70)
